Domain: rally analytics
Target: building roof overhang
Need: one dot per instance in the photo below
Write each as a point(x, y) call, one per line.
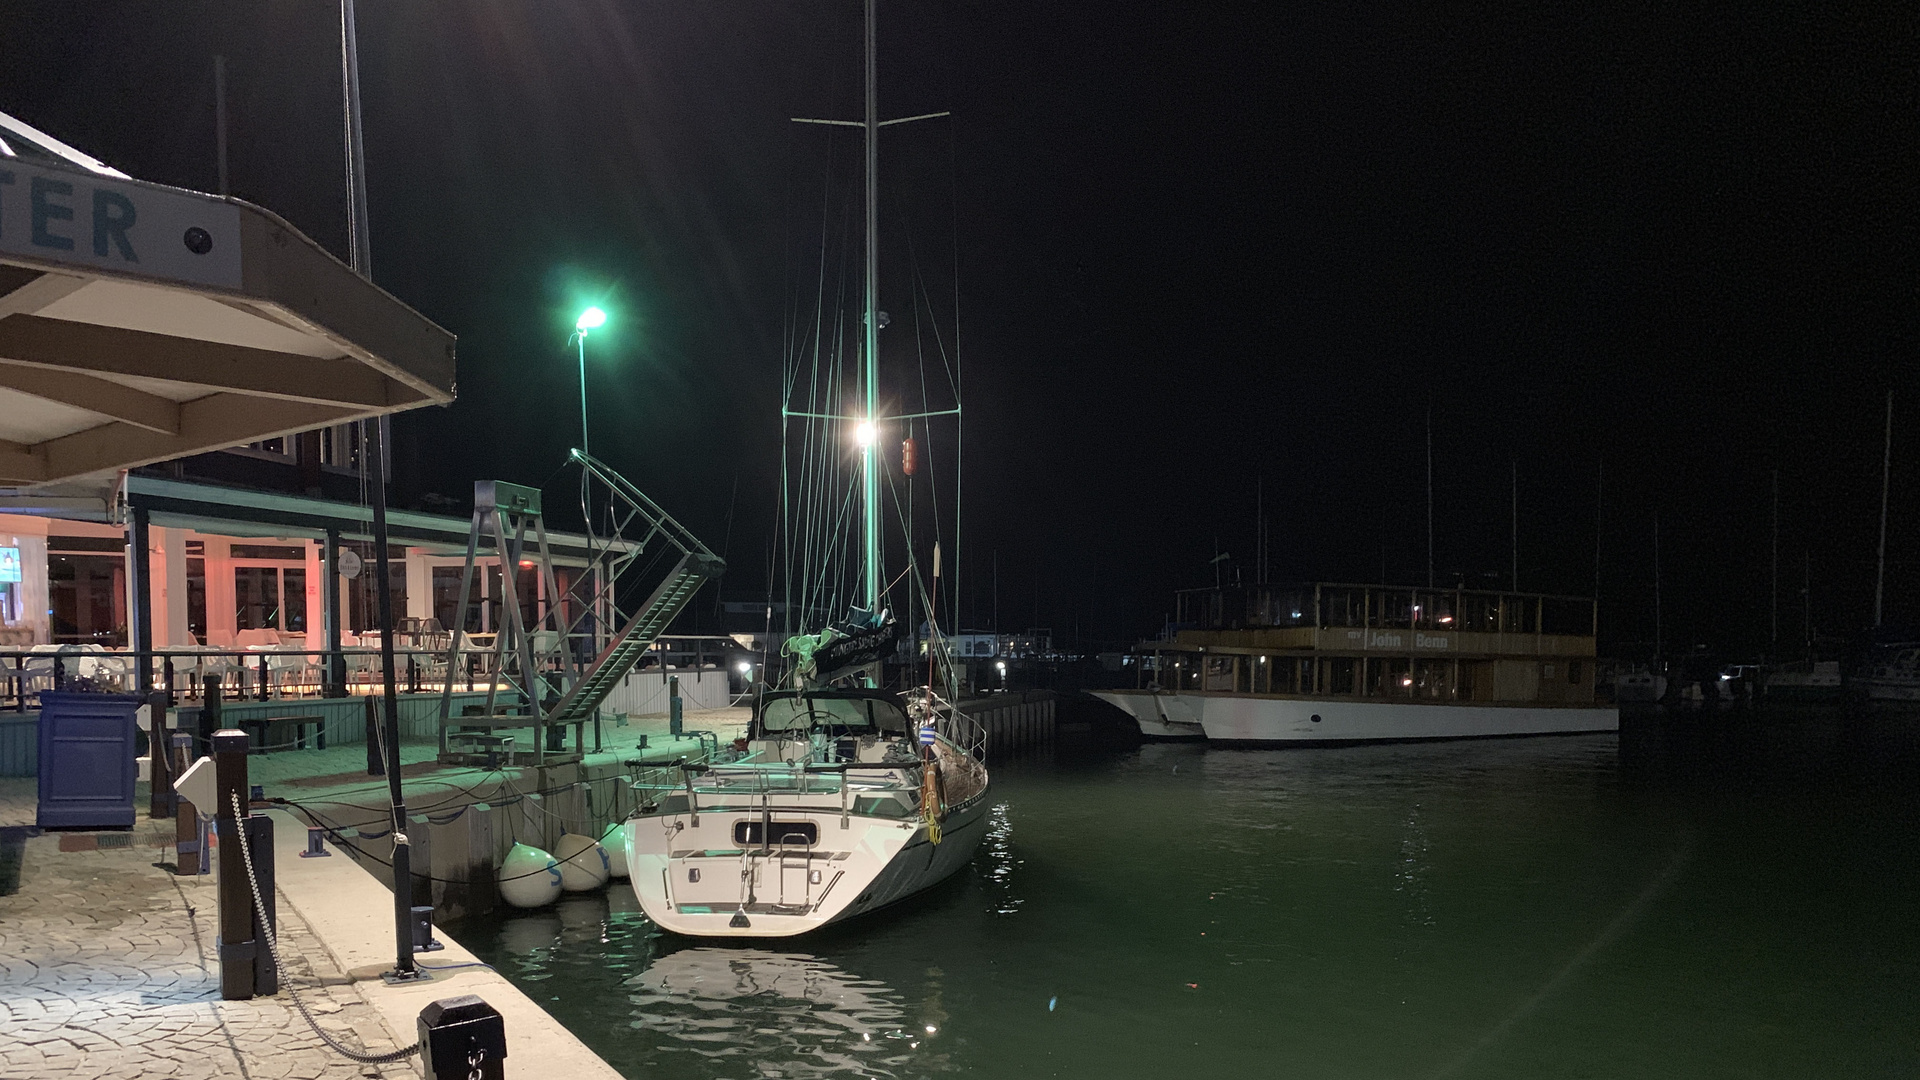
point(226, 511)
point(140, 323)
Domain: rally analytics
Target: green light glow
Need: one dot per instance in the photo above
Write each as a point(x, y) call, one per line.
point(591, 318)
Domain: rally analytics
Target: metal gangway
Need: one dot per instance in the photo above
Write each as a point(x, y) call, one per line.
point(541, 661)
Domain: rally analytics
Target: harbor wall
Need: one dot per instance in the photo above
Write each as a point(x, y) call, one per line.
point(1015, 720)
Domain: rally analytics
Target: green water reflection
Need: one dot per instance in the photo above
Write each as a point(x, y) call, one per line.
point(1681, 905)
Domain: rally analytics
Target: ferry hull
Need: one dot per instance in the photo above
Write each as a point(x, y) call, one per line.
point(880, 862)
point(1263, 720)
point(1151, 711)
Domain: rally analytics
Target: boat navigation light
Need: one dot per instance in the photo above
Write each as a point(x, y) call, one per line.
point(865, 433)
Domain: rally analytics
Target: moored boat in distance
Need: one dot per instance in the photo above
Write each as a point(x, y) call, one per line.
point(1891, 673)
point(1805, 680)
point(1336, 663)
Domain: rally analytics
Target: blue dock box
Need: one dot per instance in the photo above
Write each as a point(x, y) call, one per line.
point(87, 766)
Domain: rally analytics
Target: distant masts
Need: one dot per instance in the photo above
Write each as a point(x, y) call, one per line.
point(1656, 585)
point(1429, 496)
point(1516, 526)
point(1886, 470)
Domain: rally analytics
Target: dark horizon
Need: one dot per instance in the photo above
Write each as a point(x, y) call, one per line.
point(1252, 249)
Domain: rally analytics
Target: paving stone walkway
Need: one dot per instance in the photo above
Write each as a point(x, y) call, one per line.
point(108, 969)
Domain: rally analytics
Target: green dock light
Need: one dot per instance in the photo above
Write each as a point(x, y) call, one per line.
point(591, 319)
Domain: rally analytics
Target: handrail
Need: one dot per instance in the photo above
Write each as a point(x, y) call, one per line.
point(658, 520)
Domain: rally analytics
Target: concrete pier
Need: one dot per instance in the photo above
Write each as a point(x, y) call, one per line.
point(108, 968)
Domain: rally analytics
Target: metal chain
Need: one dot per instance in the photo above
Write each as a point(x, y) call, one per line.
point(273, 948)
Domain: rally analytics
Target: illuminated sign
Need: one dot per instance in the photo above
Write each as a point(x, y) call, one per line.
point(9, 564)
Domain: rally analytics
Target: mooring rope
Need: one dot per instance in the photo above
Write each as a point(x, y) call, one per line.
point(273, 949)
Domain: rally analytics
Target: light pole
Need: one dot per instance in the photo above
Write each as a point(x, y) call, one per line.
point(589, 319)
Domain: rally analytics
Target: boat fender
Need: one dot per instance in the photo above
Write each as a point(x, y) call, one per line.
point(529, 877)
point(614, 843)
point(584, 866)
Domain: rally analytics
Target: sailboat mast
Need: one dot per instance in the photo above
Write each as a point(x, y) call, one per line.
point(1886, 471)
point(870, 376)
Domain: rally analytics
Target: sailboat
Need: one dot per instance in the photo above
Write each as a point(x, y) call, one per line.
point(843, 797)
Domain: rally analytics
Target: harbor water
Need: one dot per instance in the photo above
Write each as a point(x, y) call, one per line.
point(1734, 899)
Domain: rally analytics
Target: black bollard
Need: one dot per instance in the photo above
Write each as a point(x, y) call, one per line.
point(159, 758)
point(259, 833)
point(237, 946)
point(464, 1038)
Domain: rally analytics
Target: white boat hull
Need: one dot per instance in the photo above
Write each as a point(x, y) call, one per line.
point(697, 888)
point(1902, 690)
point(1151, 711)
point(1248, 719)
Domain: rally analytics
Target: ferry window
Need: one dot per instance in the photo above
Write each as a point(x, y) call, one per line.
point(1342, 607)
point(1341, 674)
point(1573, 672)
point(1479, 612)
point(1219, 673)
point(1392, 609)
point(1522, 613)
point(1283, 607)
point(1434, 611)
point(1432, 679)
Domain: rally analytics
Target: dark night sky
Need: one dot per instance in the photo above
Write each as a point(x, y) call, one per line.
point(1198, 246)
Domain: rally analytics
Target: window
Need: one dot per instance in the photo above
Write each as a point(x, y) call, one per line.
point(115, 544)
point(88, 599)
point(256, 597)
point(340, 446)
point(282, 447)
point(268, 598)
point(783, 832)
point(276, 552)
point(197, 598)
point(1573, 672)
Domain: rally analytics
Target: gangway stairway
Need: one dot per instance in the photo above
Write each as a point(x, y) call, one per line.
point(618, 659)
point(552, 688)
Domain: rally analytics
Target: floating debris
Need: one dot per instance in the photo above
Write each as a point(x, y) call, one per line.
point(1052, 1001)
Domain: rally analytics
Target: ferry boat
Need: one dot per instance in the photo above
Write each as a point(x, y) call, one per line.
point(1336, 663)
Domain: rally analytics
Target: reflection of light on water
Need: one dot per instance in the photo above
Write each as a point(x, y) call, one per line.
point(1410, 876)
point(781, 1014)
point(997, 849)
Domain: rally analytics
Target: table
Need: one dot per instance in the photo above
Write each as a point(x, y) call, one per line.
point(260, 728)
